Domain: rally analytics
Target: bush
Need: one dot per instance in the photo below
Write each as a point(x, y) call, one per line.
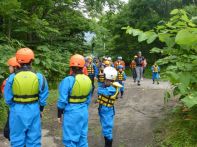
point(3, 113)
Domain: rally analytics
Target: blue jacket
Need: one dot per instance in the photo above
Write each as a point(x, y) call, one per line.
point(107, 91)
point(65, 89)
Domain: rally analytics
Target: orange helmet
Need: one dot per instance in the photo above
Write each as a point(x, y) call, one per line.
point(24, 55)
point(77, 61)
point(12, 62)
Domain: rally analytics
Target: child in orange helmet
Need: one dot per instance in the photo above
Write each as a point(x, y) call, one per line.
point(13, 66)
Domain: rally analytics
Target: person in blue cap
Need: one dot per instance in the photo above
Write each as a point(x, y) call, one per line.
point(121, 77)
point(74, 98)
point(26, 93)
point(107, 95)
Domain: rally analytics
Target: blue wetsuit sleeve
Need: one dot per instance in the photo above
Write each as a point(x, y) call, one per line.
point(43, 89)
point(95, 70)
point(106, 91)
point(89, 98)
point(125, 76)
point(152, 68)
point(64, 91)
point(158, 69)
point(8, 95)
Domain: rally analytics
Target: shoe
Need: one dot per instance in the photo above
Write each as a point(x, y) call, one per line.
point(138, 83)
point(157, 83)
point(142, 79)
point(108, 143)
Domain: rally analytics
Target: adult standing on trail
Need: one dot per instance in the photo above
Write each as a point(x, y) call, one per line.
point(139, 67)
point(119, 61)
point(107, 95)
point(26, 93)
point(13, 66)
point(92, 71)
point(74, 98)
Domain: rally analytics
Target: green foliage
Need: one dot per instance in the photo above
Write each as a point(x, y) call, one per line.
point(141, 14)
point(179, 35)
point(179, 129)
point(3, 112)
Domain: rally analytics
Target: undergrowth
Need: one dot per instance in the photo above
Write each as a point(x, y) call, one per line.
point(178, 130)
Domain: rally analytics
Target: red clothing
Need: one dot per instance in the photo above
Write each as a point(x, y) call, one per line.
point(116, 63)
point(85, 71)
point(3, 85)
point(133, 64)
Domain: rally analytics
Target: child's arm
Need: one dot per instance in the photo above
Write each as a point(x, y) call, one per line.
point(125, 76)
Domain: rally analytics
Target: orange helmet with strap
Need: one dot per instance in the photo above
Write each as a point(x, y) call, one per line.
point(77, 61)
point(24, 55)
point(12, 62)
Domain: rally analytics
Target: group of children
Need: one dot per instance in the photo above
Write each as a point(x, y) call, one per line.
point(26, 92)
point(138, 66)
point(96, 68)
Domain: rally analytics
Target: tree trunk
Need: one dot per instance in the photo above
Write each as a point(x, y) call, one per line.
point(9, 28)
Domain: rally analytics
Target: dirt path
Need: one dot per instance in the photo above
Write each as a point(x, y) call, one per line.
point(137, 114)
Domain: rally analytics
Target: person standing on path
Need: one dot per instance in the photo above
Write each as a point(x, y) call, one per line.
point(13, 66)
point(121, 77)
point(101, 76)
point(133, 68)
point(139, 67)
point(74, 98)
point(119, 61)
point(26, 93)
point(92, 71)
point(155, 73)
point(106, 99)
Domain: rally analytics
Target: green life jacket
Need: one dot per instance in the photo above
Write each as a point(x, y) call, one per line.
point(81, 89)
point(25, 87)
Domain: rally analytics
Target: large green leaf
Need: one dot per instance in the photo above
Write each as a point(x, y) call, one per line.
point(136, 32)
point(156, 50)
point(190, 100)
point(165, 37)
point(151, 36)
point(175, 11)
point(142, 37)
point(129, 30)
point(187, 37)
